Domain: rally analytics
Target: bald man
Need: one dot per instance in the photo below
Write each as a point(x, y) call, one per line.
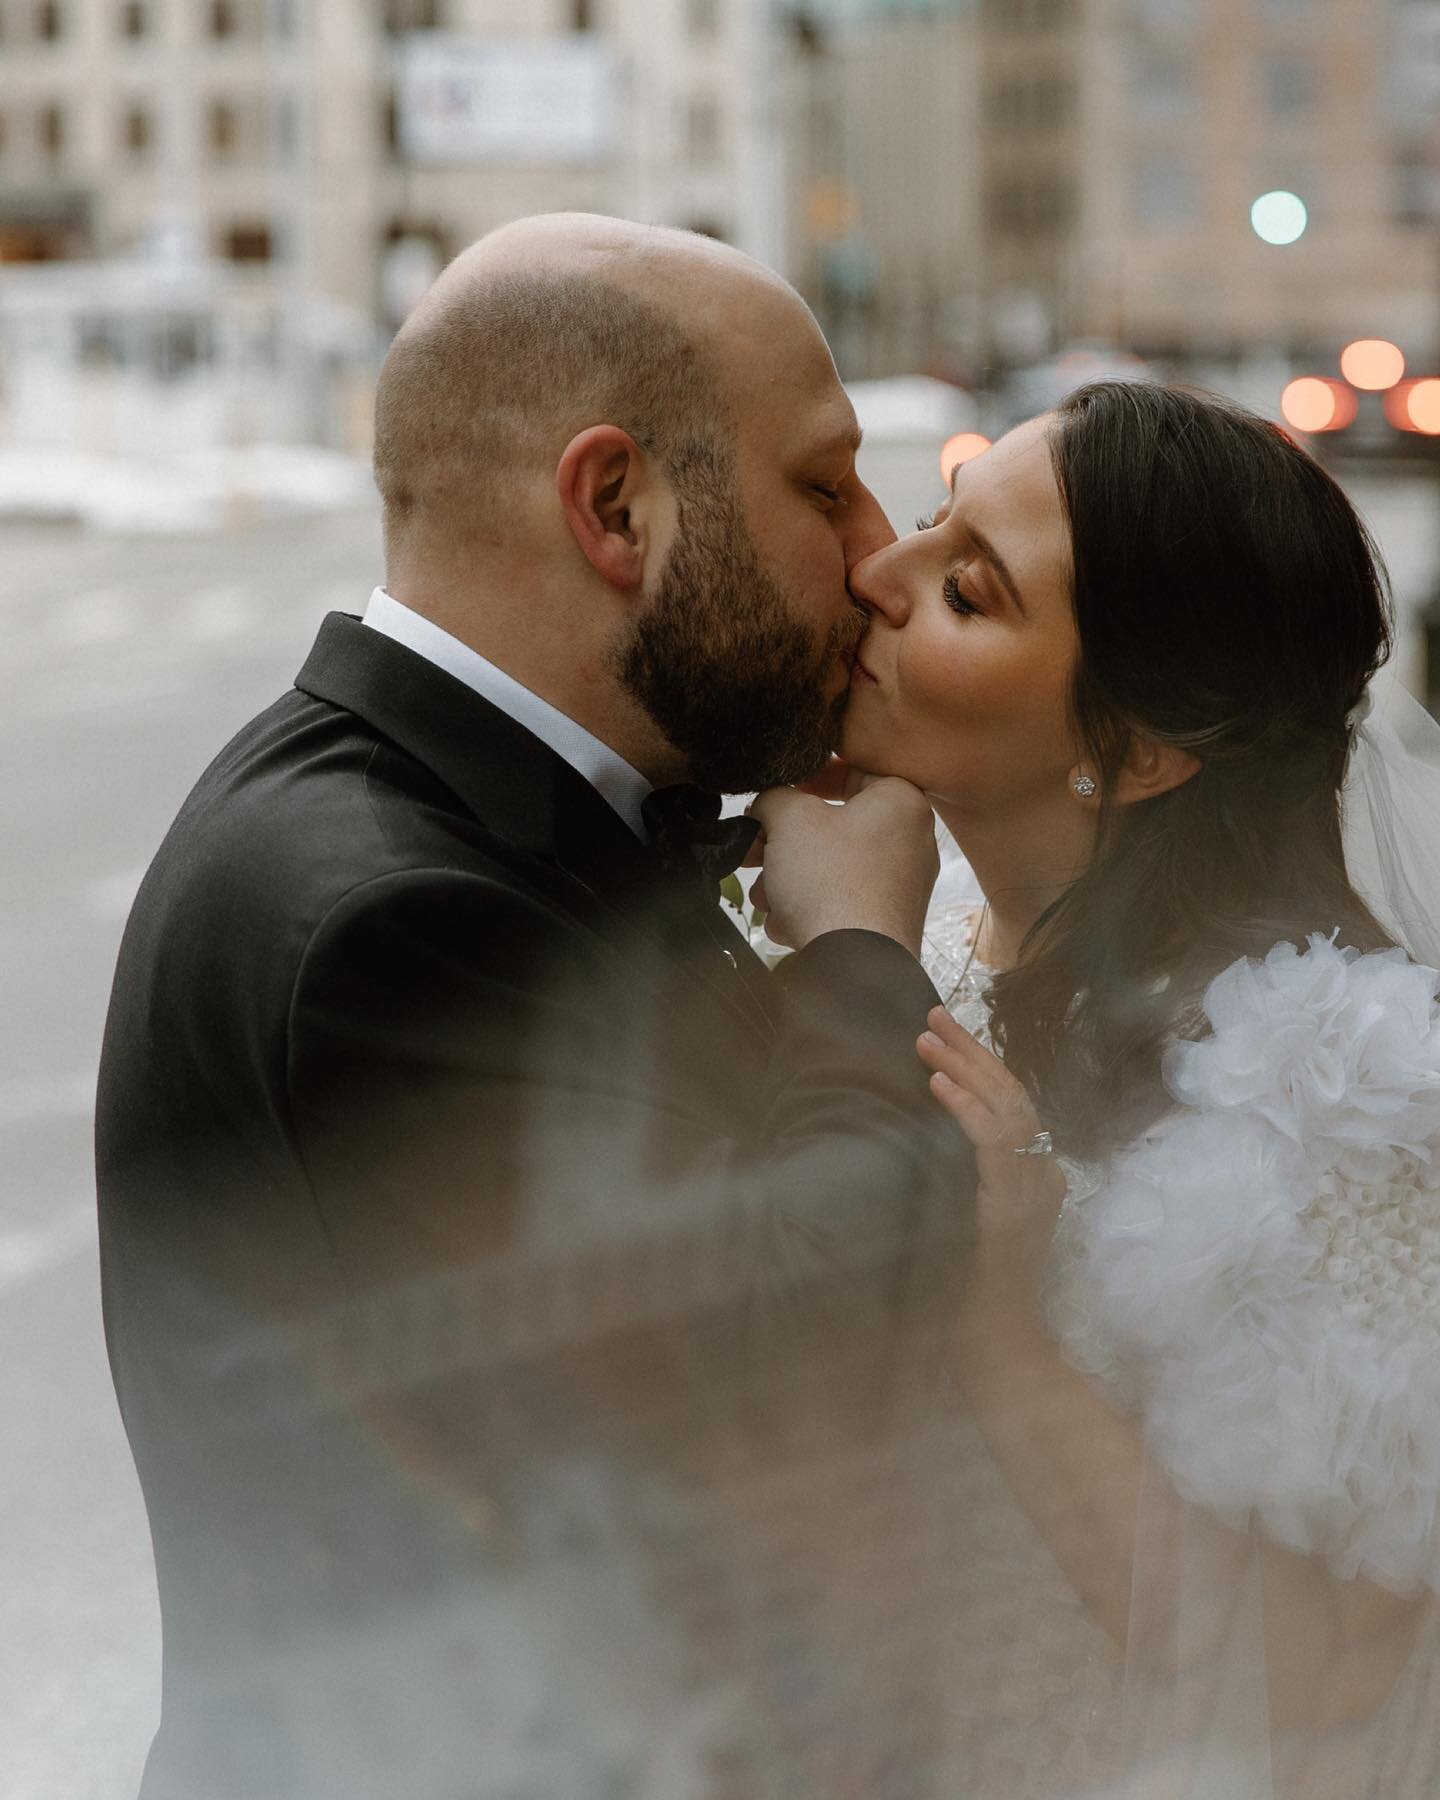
point(483, 1227)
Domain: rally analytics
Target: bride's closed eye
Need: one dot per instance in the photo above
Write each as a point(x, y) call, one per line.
point(955, 598)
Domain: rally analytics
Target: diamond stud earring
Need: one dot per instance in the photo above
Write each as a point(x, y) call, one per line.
point(1084, 786)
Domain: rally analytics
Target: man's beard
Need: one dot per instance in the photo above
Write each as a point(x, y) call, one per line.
point(722, 667)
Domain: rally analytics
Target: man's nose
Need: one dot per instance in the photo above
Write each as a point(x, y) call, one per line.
point(867, 530)
point(876, 584)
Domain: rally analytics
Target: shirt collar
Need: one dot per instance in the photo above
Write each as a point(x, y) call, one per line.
point(622, 787)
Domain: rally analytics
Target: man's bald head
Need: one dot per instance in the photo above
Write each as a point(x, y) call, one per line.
point(544, 328)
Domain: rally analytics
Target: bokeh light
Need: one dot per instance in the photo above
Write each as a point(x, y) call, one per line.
point(1415, 406)
point(1312, 404)
point(964, 447)
point(1279, 217)
point(1372, 363)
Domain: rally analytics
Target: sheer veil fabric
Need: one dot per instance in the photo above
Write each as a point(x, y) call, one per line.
point(1391, 810)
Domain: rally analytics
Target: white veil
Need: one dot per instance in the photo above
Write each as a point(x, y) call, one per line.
point(1391, 812)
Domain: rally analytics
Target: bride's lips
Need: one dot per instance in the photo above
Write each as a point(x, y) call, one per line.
point(858, 668)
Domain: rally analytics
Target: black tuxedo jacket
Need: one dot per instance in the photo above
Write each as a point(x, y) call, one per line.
point(464, 1180)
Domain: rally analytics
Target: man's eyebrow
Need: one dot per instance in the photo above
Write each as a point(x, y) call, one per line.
point(847, 440)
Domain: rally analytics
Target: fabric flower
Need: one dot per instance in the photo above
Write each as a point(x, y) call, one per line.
point(1329, 1046)
point(1258, 1279)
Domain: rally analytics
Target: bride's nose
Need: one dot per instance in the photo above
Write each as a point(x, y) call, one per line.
point(877, 583)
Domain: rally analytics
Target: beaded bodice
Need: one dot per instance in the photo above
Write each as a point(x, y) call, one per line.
point(948, 955)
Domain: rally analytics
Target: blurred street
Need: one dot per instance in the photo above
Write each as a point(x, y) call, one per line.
point(125, 663)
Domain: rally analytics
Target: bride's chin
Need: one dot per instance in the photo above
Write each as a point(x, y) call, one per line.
point(861, 749)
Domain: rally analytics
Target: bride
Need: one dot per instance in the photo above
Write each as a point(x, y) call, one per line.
point(1129, 661)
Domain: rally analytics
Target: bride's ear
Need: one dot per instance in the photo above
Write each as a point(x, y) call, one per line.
point(1151, 768)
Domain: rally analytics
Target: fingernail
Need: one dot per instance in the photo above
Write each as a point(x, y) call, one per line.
point(931, 1042)
point(940, 1080)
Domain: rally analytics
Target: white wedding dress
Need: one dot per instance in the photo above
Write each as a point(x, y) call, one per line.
point(1256, 1283)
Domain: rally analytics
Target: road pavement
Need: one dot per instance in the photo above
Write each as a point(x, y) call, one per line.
point(125, 663)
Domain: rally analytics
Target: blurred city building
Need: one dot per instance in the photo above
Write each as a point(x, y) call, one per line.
point(247, 196)
point(353, 145)
point(885, 230)
point(985, 182)
point(959, 185)
point(213, 213)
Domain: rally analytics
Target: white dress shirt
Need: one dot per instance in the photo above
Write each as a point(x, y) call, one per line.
point(619, 785)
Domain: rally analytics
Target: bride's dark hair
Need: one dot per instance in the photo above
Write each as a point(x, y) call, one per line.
point(1228, 601)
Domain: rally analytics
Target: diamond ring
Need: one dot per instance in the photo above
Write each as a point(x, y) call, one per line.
point(1042, 1144)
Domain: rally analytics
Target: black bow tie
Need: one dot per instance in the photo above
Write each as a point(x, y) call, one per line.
point(688, 835)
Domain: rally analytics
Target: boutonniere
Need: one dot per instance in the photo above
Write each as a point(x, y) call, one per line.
point(749, 919)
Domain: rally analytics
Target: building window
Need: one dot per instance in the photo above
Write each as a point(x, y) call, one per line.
point(1289, 86)
point(1030, 15)
point(247, 244)
point(1417, 189)
point(582, 15)
point(137, 132)
point(1161, 84)
point(3, 133)
point(1022, 105)
point(222, 130)
point(1165, 15)
point(1032, 205)
point(51, 131)
point(390, 123)
point(1164, 192)
point(49, 23)
point(412, 15)
point(703, 131)
point(223, 20)
point(133, 20)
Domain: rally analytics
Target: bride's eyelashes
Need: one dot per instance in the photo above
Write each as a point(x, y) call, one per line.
point(950, 587)
point(955, 598)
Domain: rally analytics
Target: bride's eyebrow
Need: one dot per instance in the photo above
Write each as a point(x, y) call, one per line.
point(997, 562)
point(982, 543)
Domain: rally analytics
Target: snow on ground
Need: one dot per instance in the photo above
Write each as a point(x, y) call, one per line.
point(197, 490)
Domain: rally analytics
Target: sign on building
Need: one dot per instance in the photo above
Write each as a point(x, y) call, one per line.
point(466, 101)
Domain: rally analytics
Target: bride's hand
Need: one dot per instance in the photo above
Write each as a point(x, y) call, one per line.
point(1019, 1196)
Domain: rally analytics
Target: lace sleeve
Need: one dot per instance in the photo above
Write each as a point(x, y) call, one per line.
point(1259, 1277)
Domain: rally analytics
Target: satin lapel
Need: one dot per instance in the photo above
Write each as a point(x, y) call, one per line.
point(517, 787)
point(501, 772)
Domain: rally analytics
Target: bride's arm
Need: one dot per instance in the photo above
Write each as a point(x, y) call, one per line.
point(1078, 1467)
point(1333, 1647)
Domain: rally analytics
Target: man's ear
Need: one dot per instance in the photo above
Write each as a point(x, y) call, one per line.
point(611, 500)
point(1151, 768)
